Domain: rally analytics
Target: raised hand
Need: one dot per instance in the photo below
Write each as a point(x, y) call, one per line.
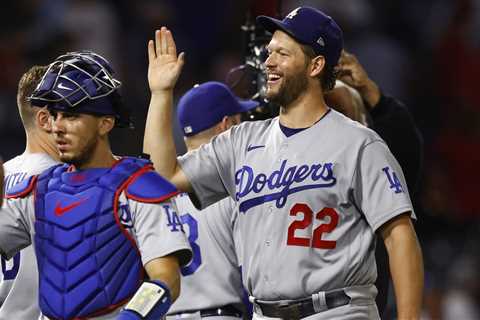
point(164, 66)
point(352, 73)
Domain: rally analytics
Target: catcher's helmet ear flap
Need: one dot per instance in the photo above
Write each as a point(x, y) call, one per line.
point(82, 82)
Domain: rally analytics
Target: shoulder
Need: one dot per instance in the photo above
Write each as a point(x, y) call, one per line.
point(30, 163)
point(249, 127)
point(22, 189)
point(352, 132)
point(11, 164)
point(25, 187)
point(248, 130)
point(150, 187)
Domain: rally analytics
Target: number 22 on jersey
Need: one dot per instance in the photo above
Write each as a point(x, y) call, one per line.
point(315, 241)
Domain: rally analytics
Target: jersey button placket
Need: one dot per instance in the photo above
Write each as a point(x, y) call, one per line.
point(282, 152)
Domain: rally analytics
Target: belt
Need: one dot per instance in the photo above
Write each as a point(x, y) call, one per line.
point(228, 310)
point(298, 309)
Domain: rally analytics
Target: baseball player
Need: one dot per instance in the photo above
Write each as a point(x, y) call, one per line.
point(99, 224)
point(19, 279)
point(211, 283)
point(313, 188)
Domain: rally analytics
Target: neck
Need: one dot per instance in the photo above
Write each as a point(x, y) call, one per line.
point(305, 110)
point(101, 156)
point(193, 143)
point(41, 142)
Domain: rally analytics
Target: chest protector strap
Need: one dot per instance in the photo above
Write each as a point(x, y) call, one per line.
point(88, 262)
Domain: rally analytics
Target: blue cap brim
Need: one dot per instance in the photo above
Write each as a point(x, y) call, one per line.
point(248, 105)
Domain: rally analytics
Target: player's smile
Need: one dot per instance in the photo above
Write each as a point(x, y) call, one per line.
point(273, 78)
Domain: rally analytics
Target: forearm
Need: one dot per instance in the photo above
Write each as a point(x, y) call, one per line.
point(158, 140)
point(166, 269)
point(406, 267)
point(370, 93)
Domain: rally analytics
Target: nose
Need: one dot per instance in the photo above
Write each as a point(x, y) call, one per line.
point(269, 62)
point(57, 124)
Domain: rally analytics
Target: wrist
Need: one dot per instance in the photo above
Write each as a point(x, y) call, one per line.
point(161, 92)
point(370, 93)
point(151, 301)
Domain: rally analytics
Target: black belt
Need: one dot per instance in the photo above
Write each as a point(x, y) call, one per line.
point(303, 308)
point(229, 311)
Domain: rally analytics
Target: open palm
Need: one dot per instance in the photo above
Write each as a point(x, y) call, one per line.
point(164, 66)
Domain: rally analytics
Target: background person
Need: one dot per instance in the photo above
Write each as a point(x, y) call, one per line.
point(19, 283)
point(211, 283)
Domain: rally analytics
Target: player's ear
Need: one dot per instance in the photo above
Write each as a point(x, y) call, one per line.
point(42, 118)
point(316, 66)
point(224, 124)
point(106, 124)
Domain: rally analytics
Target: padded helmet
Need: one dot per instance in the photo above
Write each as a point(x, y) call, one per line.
point(81, 82)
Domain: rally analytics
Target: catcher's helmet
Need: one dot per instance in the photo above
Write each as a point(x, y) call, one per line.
point(81, 82)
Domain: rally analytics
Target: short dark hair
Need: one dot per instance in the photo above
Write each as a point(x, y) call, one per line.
point(328, 75)
point(28, 82)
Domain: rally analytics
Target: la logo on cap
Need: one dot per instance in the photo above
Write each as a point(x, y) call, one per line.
point(293, 13)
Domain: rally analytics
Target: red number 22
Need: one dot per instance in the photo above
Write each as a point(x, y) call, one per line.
point(316, 241)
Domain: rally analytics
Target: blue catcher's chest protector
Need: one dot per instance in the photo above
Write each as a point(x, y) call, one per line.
point(88, 263)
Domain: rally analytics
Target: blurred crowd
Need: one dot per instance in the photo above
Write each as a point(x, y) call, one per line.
point(425, 53)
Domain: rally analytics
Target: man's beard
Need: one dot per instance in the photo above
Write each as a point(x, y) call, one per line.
point(291, 88)
point(83, 156)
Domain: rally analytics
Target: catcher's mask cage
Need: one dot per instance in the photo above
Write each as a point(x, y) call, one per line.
point(82, 82)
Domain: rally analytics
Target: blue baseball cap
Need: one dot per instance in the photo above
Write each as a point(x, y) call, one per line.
point(206, 104)
point(311, 27)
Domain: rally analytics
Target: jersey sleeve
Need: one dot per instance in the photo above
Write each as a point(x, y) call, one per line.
point(379, 187)
point(15, 225)
point(210, 170)
point(158, 231)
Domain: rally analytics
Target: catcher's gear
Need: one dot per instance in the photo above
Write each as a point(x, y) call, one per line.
point(151, 301)
point(88, 262)
point(81, 82)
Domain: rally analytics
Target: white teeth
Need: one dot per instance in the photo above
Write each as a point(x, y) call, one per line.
point(273, 77)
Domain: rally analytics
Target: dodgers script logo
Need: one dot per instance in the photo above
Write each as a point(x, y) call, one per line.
point(282, 182)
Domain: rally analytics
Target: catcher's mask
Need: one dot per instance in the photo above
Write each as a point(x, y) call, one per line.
point(82, 82)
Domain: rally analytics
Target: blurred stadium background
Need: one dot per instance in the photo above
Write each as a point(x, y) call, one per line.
point(424, 52)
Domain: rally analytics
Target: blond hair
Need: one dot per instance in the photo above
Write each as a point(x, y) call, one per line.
point(28, 82)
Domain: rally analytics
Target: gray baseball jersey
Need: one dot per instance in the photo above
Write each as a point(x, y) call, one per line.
point(212, 279)
point(19, 278)
point(149, 224)
point(309, 204)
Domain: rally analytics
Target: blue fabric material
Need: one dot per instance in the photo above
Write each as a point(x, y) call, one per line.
point(289, 131)
point(19, 187)
point(86, 264)
point(311, 27)
point(206, 104)
point(151, 187)
point(158, 310)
